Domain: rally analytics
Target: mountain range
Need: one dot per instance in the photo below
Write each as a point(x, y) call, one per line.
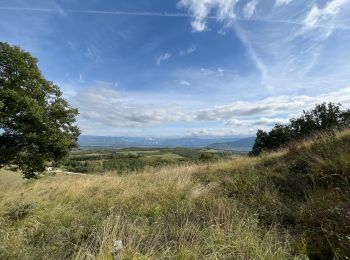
point(244, 144)
point(221, 143)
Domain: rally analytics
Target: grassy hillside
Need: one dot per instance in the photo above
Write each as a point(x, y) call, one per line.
point(292, 204)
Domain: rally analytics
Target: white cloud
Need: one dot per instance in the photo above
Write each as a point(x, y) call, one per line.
point(104, 106)
point(207, 71)
point(250, 8)
point(188, 51)
point(203, 9)
point(199, 26)
point(185, 83)
point(245, 117)
point(222, 32)
point(272, 106)
point(279, 3)
point(163, 57)
point(93, 53)
point(212, 132)
point(262, 122)
point(323, 16)
point(250, 126)
point(286, 42)
point(259, 63)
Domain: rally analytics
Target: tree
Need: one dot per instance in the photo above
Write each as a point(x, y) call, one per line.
point(345, 119)
point(324, 117)
point(278, 137)
point(260, 142)
point(37, 125)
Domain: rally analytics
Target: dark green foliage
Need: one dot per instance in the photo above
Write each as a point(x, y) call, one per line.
point(260, 142)
point(37, 125)
point(279, 136)
point(324, 117)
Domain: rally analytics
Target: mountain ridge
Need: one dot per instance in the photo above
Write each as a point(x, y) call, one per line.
point(244, 144)
point(151, 142)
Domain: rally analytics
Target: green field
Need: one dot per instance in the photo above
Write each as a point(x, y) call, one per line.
point(122, 161)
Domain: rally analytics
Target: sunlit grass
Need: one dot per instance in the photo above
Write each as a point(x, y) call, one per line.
point(246, 208)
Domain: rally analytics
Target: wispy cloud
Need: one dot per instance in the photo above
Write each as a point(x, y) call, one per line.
point(199, 23)
point(65, 11)
point(260, 65)
point(163, 57)
point(287, 43)
point(250, 8)
point(227, 12)
point(188, 51)
point(167, 55)
point(201, 10)
point(81, 79)
point(318, 15)
point(184, 83)
point(92, 52)
point(326, 16)
point(279, 3)
point(261, 123)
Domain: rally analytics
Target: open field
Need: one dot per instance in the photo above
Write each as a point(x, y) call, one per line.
point(292, 204)
point(127, 160)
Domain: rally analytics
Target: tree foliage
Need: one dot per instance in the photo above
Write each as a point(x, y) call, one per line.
point(324, 117)
point(37, 125)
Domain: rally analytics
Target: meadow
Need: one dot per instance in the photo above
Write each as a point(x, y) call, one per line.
point(133, 160)
point(290, 204)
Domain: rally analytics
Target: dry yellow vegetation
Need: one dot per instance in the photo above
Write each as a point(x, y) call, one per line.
point(285, 205)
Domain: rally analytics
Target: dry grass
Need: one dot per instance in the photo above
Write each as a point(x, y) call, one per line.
point(240, 209)
point(165, 214)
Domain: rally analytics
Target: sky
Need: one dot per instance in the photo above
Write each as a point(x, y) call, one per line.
point(186, 67)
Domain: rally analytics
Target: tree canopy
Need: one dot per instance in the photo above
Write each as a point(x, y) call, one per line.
point(324, 117)
point(37, 125)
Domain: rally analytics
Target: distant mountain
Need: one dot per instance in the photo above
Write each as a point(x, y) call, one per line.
point(122, 142)
point(244, 144)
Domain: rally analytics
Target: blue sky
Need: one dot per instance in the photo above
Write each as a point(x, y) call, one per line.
point(186, 67)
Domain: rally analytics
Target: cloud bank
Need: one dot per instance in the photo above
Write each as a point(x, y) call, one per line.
point(103, 105)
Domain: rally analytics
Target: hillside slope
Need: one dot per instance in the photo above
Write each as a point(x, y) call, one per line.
point(285, 205)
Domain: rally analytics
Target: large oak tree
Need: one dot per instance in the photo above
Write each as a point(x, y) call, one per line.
point(37, 125)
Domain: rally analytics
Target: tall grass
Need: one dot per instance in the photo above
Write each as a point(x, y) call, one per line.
point(290, 204)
